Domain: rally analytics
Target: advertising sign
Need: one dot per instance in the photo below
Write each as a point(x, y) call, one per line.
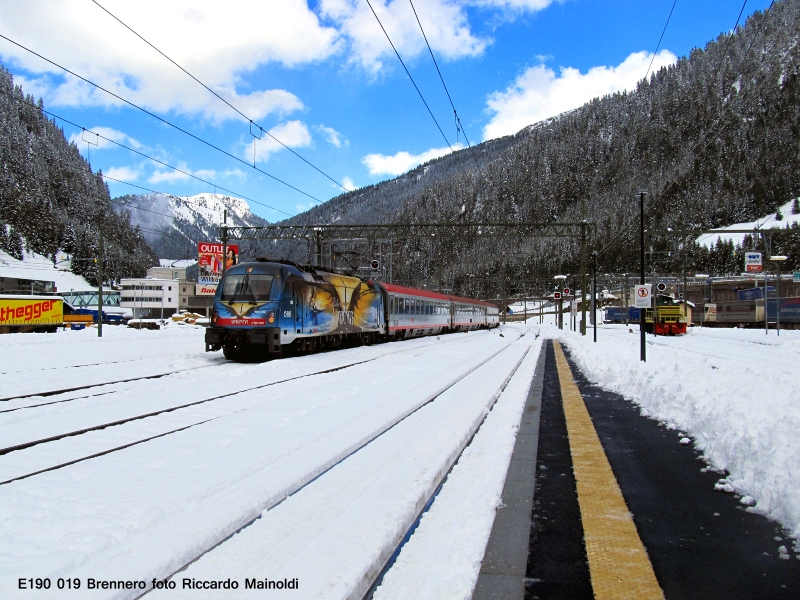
point(796, 277)
point(642, 296)
point(209, 261)
point(205, 289)
point(31, 311)
point(752, 262)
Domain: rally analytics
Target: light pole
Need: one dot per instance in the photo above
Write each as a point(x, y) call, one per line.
point(702, 277)
point(594, 293)
point(642, 340)
point(778, 259)
point(560, 318)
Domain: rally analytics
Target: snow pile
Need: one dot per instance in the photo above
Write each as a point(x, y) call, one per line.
point(733, 391)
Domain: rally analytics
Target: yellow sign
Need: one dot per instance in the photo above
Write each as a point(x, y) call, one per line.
point(31, 311)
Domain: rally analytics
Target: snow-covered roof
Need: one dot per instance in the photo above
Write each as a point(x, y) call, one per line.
point(176, 264)
point(767, 222)
point(40, 268)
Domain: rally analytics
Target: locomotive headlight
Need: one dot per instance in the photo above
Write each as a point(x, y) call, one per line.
point(271, 317)
point(214, 317)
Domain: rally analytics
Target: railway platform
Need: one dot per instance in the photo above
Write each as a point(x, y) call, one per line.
point(602, 502)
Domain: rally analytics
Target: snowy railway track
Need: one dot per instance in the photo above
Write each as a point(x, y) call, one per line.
point(47, 394)
point(369, 499)
point(54, 438)
point(157, 507)
point(44, 468)
point(375, 435)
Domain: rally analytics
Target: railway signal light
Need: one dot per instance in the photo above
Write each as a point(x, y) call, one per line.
point(566, 291)
point(557, 295)
point(375, 265)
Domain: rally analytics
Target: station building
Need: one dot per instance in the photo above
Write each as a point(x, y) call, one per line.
point(150, 298)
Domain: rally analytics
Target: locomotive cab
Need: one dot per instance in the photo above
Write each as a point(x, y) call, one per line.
point(245, 317)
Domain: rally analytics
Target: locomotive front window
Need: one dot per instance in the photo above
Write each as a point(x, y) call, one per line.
point(246, 288)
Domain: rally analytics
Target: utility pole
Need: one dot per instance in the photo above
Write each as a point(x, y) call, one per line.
point(594, 293)
point(100, 276)
point(642, 351)
point(583, 267)
point(224, 232)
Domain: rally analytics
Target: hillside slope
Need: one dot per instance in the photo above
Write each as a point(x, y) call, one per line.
point(713, 140)
point(50, 200)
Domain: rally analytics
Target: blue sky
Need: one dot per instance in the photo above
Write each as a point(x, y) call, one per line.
point(322, 77)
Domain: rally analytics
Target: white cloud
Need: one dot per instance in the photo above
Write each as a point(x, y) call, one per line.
point(348, 184)
point(538, 93)
point(445, 24)
point(294, 134)
point(184, 174)
point(219, 42)
point(97, 142)
point(397, 164)
point(333, 136)
point(233, 173)
point(301, 207)
point(122, 173)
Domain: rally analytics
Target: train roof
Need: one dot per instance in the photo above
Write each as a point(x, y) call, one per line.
point(401, 289)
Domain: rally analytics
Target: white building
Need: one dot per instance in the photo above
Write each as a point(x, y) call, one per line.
point(150, 298)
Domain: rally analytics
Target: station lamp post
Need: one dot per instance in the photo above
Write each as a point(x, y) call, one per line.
point(779, 260)
point(702, 277)
point(560, 318)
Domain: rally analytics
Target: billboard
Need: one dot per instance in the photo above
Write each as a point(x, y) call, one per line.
point(752, 262)
point(27, 310)
point(209, 261)
point(205, 289)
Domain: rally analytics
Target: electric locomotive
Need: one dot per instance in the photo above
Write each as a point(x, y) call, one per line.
point(266, 308)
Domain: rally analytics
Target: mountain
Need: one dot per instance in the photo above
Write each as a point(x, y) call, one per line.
point(173, 225)
point(713, 140)
point(51, 201)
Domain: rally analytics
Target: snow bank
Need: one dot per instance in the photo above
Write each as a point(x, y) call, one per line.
point(733, 391)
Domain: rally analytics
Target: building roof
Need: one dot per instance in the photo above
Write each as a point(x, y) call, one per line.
point(40, 268)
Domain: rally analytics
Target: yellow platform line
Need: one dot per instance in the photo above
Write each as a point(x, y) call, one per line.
point(618, 562)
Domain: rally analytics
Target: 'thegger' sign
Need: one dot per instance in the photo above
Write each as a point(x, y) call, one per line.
point(752, 262)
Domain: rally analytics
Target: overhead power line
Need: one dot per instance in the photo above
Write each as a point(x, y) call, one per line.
point(409, 75)
point(129, 28)
point(459, 127)
point(155, 116)
point(620, 240)
point(147, 156)
point(659, 39)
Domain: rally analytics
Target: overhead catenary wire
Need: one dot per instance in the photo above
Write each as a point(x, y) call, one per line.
point(161, 119)
point(618, 241)
point(459, 127)
point(239, 112)
point(414, 83)
point(659, 39)
point(147, 156)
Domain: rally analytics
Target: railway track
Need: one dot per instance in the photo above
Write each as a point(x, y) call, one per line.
point(292, 437)
point(118, 422)
point(442, 472)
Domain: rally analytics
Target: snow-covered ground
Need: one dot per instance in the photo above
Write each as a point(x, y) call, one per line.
point(326, 459)
point(733, 391)
point(767, 222)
